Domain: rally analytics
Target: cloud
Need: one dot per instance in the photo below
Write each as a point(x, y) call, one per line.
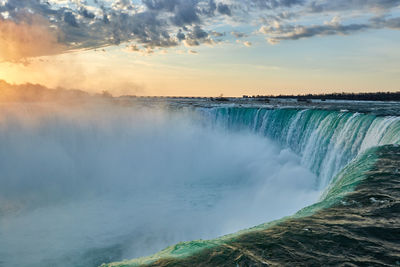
point(197, 36)
point(340, 5)
point(62, 26)
point(334, 27)
point(133, 48)
point(247, 43)
point(151, 23)
point(217, 34)
point(272, 4)
point(70, 19)
point(20, 41)
point(224, 9)
point(239, 34)
point(300, 32)
point(391, 23)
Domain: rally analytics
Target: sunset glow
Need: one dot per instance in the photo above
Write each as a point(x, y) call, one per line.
point(234, 48)
point(199, 133)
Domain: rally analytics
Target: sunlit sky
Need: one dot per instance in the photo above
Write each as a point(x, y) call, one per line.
point(202, 47)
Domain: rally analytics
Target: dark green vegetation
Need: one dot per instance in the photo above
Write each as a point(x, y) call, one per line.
point(362, 230)
point(378, 96)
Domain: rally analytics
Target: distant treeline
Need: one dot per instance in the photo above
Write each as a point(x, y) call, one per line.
point(38, 93)
point(379, 96)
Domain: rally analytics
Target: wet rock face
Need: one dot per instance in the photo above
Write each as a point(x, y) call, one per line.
point(362, 230)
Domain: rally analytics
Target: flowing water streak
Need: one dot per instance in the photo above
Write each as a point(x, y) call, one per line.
point(326, 140)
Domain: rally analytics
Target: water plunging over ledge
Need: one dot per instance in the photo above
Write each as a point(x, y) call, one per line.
point(93, 185)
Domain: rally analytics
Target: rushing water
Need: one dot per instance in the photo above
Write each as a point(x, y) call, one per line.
point(85, 185)
point(326, 140)
point(336, 147)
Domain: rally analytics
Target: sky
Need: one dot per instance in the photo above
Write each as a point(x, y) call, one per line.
point(202, 47)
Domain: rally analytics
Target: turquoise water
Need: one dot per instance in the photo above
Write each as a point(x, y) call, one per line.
point(96, 184)
point(326, 140)
point(339, 147)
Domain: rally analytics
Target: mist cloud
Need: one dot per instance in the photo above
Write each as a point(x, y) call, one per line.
point(101, 182)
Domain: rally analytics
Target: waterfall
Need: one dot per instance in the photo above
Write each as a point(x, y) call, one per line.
point(326, 140)
point(133, 180)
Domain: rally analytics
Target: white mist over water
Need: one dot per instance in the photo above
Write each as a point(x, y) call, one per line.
point(83, 185)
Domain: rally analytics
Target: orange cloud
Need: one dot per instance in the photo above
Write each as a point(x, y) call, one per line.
point(19, 41)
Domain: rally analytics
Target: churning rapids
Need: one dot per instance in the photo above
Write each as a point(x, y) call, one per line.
point(97, 183)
